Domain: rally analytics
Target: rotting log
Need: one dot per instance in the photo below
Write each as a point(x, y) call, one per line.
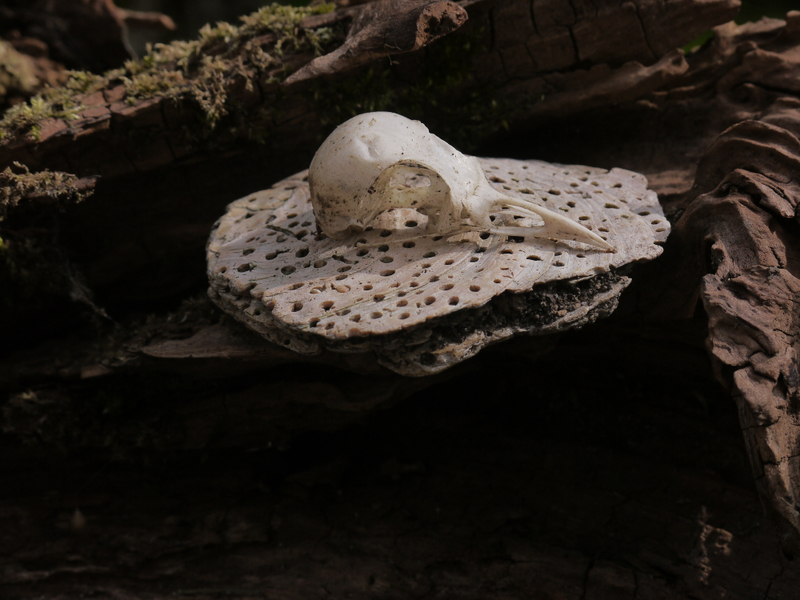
point(716, 133)
point(460, 87)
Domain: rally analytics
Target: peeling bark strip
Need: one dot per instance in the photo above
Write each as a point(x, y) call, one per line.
point(744, 232)
point(383, 29)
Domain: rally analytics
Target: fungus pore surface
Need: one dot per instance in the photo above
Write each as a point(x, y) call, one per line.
point(386, 288)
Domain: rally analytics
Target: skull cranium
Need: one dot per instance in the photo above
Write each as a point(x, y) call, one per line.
point(378, 161)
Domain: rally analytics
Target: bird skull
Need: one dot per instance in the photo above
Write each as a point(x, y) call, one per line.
point(378, 161)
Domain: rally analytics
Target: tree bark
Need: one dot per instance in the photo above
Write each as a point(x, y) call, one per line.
point(603, 464)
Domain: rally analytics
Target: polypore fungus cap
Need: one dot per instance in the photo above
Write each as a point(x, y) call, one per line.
point(397, 287)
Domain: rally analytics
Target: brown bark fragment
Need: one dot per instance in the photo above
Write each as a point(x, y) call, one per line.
point(750, 296)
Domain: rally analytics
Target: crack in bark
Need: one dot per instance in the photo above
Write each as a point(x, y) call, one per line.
point(586, 575)
point(162, 108)
point(644, 31)
point(533, 17)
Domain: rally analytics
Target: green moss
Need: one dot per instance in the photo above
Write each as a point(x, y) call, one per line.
point(281, 19)
point(446, 72)
point(204, 70)
point(28, 117)
point(226, 42)
point(199, 77)
point(149, 85)
point(20, 184)
point(16, 72)
point(223, 32)
point(336, 101)
point(198, 71)
point(54, 103)
point(81, 82)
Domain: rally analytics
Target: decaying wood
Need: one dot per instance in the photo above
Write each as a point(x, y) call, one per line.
point(741, 231)
point(639, 497)
point(549, 41)
point(111, 141)
point(716, 132)
point(383, 29)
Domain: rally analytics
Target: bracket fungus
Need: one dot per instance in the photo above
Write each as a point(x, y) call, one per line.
point(396, 243)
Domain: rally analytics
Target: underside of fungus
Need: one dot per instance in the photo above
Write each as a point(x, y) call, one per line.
point(423, 297)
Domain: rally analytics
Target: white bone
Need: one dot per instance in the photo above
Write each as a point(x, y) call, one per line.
point(363, 168)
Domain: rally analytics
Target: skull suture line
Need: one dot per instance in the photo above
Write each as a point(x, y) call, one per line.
point(379, 161)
